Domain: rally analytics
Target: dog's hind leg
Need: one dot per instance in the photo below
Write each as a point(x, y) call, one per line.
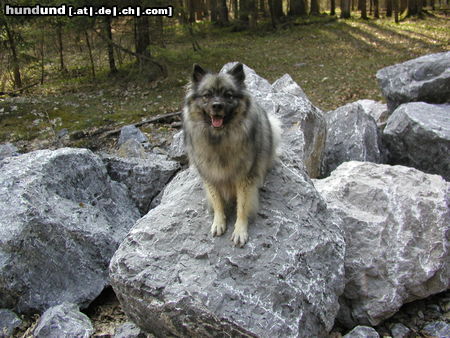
point(215, 199)
point(247, 204)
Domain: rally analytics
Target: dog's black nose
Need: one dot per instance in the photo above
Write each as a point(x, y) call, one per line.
point(217, 106)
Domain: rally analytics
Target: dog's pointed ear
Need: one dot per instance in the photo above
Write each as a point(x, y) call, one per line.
point(197, 73)
point(238, 73)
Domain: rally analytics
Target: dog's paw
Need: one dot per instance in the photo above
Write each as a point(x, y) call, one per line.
point(239, 236)
point(218, 227)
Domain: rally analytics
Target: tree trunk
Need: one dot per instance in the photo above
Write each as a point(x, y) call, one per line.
point(142, 39)
point(262, 8)
point(298, 8)
point(276, 11)
point(244, 11)
point(315, 9)
point(273, 17)
point(389, 4)
point(223, 12)
point(62, 66)
point(109, 45)
point(345, 9)
point(214, 13)
point(332, 7)
point(91, 59)
point(235, 6)
point(412, 8)
point(363, 7)
point(278, 8)
point(191, 10)
point(42, 55)
point(253, 7)
point(14, 58)
point(376, 6)
point(396, 10)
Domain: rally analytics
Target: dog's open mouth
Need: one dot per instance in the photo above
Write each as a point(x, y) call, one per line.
point(217, 121)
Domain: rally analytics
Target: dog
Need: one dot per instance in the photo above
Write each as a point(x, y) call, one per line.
point(232, 141)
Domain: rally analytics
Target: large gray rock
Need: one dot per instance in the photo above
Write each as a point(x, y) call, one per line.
point(398, 330)
point(377, 110)
point(131, 132)
point(287, 100)
point(129, 330)
point(177, 151)
point(437, 329)
point(62, 218)
point(131, 149)
point(8, 150)
point(286, 84)
point(173, 278)
point(396, 221)
point(362, 332)
point(418, 135)
point(351, 135)
point(426, 79)
point(9, 321)
point(64, 320)
point(144, 178)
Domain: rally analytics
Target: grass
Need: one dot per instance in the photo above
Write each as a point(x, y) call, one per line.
point(334, 61)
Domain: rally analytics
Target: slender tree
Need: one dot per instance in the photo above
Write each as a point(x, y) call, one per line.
point(109, 44)
point(10, 35)
point(59, 36)
point(89, 48)
point(41, 54)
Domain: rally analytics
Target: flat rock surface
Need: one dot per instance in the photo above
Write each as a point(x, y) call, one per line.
point(173, 278)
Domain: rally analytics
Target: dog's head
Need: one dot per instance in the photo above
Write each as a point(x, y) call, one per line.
point(217, 99)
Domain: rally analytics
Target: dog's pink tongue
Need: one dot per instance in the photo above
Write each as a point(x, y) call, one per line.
point(217, 121)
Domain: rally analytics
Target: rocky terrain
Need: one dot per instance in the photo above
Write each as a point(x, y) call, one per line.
point(351, 238)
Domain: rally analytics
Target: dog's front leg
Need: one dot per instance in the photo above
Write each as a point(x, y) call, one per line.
point(247, 203)
point(216, 201)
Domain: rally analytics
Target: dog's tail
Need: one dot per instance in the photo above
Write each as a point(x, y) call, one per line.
point(276, 126)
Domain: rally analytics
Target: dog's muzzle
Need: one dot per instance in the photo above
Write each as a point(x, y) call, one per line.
point(217, 114)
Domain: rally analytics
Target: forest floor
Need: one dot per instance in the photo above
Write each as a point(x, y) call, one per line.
point(334, 61)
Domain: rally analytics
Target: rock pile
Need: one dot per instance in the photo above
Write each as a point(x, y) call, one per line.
point(352, 247)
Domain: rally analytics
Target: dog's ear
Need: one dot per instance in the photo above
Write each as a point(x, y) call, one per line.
point(198, 73)
point(238, 73)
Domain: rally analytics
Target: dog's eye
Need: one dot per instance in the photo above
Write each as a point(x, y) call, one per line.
point(207, 95)
point(228, 96)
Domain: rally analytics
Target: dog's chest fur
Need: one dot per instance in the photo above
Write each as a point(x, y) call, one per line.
point(221, 158)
